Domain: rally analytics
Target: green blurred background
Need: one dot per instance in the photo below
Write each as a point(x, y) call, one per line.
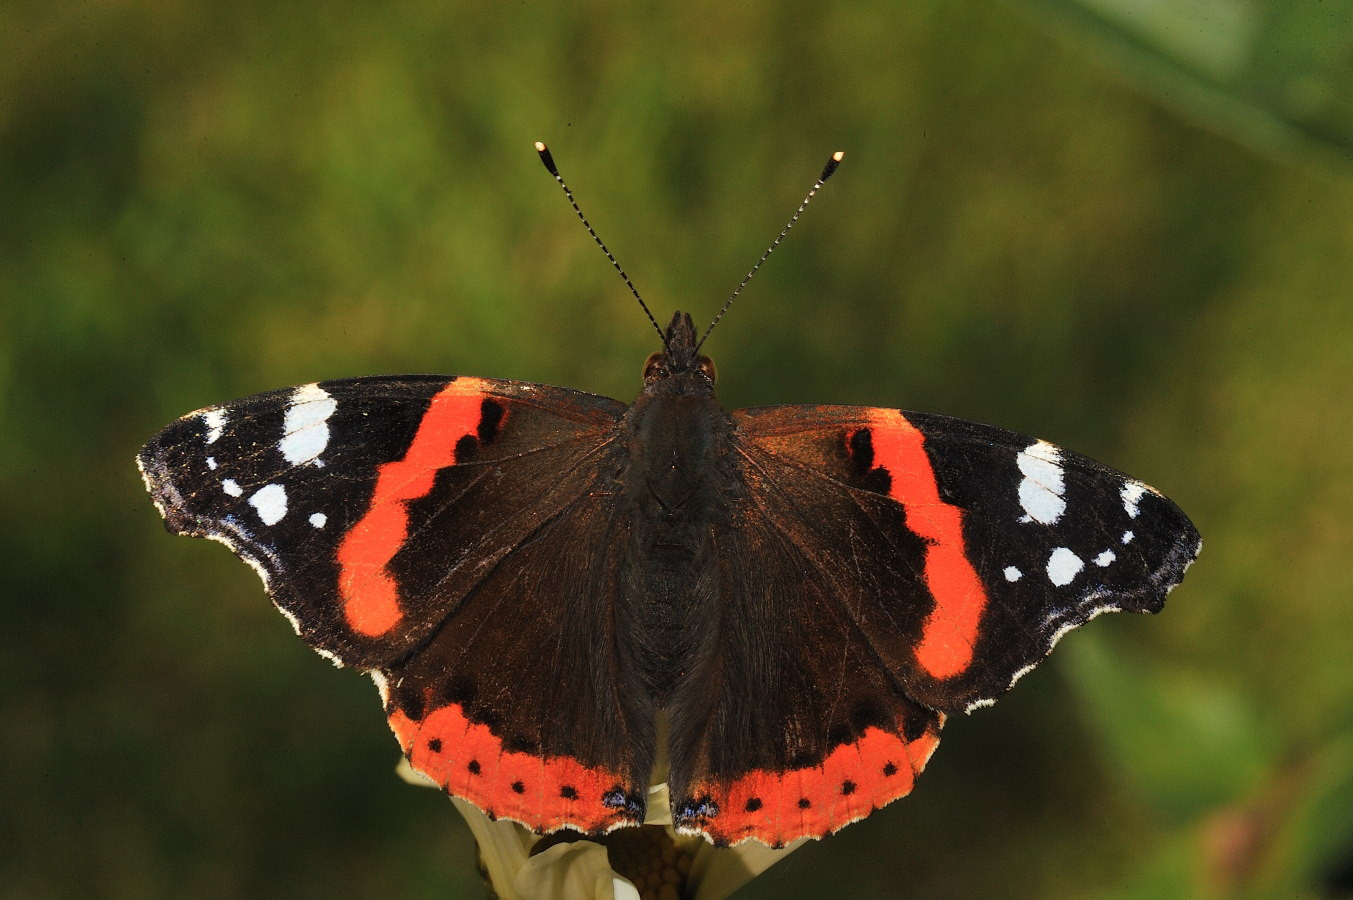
point(1126, 227)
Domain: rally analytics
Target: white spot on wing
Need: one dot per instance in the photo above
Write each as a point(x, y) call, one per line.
point(296, 627)
point(1132, 495)
point(1127, 537)
point(1063, 566)
point(270, 501)
point(319, 520)
point(290, 616)
point(243, 545)
point(1041, 489)
point(215, 420)
point(327, 654)
point(1057, 636)
point(305, 429)
point(231, 487)
point(382, 684)
point(1012, 574)
point(1025, 671)
point(261, 560)
point(1105, 558)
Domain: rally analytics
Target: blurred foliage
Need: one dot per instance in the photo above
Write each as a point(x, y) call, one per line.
point(1275, 74)
point(198, 202)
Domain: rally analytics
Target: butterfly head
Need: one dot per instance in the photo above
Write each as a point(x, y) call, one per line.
point(679, 367)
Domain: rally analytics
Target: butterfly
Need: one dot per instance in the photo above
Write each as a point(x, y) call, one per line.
point(558, 594)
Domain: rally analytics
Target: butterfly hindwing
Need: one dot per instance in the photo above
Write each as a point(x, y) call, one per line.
point(515, 703)
point(831, 734)
point(891, 567)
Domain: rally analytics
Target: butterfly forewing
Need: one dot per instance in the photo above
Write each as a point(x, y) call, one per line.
point(963, 551)
point(314, 485)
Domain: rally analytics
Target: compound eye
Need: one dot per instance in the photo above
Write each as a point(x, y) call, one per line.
point(655, 367)
point(706, 367)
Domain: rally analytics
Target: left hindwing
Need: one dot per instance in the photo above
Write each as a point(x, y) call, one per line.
point(980, 546)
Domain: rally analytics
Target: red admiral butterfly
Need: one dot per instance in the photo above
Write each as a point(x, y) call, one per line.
point(556, 592)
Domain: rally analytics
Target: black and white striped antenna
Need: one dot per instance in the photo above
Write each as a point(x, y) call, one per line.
point(548, 159)
point(827, 171)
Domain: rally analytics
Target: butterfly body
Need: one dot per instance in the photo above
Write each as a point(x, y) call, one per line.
point(556, 591)
point(676, 480)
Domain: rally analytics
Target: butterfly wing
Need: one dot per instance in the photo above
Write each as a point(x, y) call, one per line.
point(406, 526)
point(882, 569)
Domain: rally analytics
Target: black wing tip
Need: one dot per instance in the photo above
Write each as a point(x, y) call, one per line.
point(1157, 585)
point(1177, 563)
point(1179, 547)
point(1181, 553)
point(168, 502)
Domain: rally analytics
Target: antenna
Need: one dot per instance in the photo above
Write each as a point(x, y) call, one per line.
point(827, 172)
point(548, 159)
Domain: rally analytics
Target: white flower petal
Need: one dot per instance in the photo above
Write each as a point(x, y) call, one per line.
point(659, 810)
point(580, 869)
point(504, 848)
point(718, 872)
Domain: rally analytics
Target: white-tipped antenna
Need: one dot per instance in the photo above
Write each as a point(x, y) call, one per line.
point(827, 171)
point(548, 159)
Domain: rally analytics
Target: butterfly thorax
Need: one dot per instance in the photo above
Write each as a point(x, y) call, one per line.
point(675, 485)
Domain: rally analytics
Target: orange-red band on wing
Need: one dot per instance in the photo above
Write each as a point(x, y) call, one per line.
point(854, 780)
point(370, 595)
point(545, 794)
point(951, 629)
